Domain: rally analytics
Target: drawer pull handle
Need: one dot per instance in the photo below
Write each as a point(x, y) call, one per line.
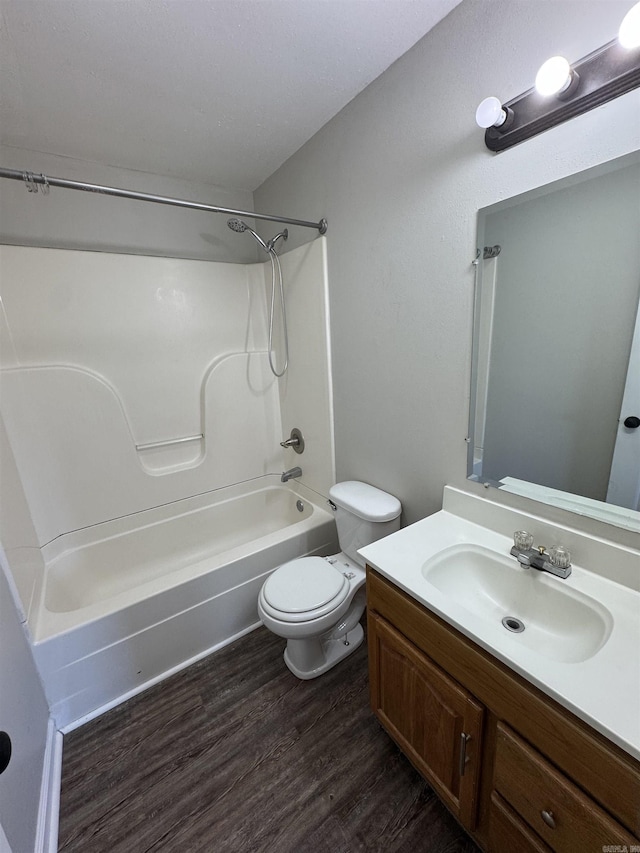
point(464, 740)
point(548, 818)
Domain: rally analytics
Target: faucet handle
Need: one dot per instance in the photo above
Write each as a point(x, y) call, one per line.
point(295, 440)
point(290, 442)
point(560, 557)
point(523, 540)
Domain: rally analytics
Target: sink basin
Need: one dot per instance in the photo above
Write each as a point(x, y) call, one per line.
point(540, 612)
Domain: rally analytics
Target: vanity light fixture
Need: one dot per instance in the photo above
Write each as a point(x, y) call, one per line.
point(556, 77)
point(491, 113)
point(563, 91)
point(629, 33)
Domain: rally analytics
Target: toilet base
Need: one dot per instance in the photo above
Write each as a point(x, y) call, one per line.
point(310, 658)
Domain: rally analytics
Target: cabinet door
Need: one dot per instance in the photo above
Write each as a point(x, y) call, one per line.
point(435, 722)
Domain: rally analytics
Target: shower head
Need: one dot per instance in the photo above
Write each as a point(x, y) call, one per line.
point(239, 226)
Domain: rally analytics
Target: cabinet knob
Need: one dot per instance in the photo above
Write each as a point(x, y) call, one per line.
point(548, 818)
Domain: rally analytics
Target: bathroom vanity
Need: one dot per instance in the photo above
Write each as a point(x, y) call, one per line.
point(526, 761)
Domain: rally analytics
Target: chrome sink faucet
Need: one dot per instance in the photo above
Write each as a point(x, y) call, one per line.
point(557, 561)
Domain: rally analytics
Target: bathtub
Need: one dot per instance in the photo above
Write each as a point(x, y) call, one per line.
point(127, 602)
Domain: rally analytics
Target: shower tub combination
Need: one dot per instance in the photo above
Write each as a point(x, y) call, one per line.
point(126, 602)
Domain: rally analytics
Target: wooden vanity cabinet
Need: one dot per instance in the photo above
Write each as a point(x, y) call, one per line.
point(436, 723)
point(531, 776)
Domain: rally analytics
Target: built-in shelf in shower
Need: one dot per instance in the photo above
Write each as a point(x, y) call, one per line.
point(174, 454)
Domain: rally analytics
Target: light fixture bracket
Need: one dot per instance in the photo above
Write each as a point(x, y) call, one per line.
point(605, 74)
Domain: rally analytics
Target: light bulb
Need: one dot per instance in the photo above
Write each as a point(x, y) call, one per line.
point(490, 113)
point(629, 34)
point(554, 76)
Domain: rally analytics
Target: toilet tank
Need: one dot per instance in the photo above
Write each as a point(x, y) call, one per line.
point(363, 514)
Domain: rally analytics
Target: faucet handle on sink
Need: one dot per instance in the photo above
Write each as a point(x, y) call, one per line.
point(560, 557)
point(523, 540)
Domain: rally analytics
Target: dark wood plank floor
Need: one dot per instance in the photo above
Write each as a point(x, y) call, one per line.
point(236, 755)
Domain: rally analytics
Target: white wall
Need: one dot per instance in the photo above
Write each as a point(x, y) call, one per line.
point(68, 219)
point(104, 353)
point(400, 174)
point(24, 716)
point(306, 393)
point(17, 533)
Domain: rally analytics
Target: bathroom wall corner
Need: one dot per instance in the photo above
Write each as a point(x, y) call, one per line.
point(306, 393)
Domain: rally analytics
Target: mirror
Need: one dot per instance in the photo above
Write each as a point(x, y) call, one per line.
point(556, 355)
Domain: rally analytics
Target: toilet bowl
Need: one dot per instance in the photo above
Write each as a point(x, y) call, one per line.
point(316, 603)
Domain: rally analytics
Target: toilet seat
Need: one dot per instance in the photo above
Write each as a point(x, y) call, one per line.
point(303, 590)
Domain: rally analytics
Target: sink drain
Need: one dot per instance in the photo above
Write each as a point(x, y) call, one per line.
point(513, 624)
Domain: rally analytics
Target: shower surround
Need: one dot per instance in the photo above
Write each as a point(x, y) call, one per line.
point(141, 497)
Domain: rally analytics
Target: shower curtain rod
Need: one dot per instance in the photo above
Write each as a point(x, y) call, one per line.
point(32, 180)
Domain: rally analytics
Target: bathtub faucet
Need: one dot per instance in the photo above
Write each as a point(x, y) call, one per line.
point(295, 440)
point(290, 474)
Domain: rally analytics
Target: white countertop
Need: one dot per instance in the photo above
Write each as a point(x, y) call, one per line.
point(603, 690)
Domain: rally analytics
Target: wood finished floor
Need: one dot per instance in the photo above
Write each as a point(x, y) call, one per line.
point(236, 755)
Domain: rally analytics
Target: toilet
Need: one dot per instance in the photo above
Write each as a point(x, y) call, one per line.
point(315, 603)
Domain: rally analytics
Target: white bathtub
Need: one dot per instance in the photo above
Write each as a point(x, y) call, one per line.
point(127, 602)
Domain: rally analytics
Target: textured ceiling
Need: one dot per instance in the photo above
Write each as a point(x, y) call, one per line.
point(221, 91)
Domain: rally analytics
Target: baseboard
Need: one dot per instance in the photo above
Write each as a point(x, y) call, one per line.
point(47, 829)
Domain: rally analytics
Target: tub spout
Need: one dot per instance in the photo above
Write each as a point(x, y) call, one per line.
point(290, 474)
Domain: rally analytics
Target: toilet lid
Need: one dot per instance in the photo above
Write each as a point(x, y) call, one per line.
point(304, 585)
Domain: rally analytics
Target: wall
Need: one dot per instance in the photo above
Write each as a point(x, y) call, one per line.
point(17, 533)
point(67, 219)
point(24, 716)
point(400, 174)
point(306, 391)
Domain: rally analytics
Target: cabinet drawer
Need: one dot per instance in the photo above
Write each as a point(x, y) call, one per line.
point(559, 812)
point(508, 832)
